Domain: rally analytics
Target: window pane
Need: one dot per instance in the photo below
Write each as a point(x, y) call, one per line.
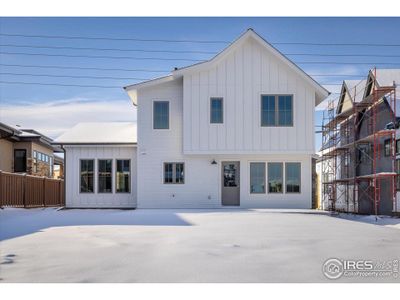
point(387, 147)
point(285, 110)
point(257, 178)
point(161, 115)
point(20, 160)
point(123, 176)
point(179, 173)
point(105, 175)
point(397, 146)
point(275, 177)
point(174, 173)
point(230, 176)
point(293, 177)
point(87, 170)
point(398, 174)
point(216, 110)
point(268, 111)
point(168, 173)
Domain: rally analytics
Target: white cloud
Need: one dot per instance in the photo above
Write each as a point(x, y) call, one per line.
point(54, 117)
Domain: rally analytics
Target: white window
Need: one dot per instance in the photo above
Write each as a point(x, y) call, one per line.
point(293, 177)
point(257, 178)
point(276, 110)
point(275, 177)
point(161, 115)
point(123, 175)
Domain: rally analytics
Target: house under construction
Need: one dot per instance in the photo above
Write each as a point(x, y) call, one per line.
point(359, 166)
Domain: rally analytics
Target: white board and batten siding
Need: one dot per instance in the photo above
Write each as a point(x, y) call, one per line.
point(76, 199)
point(241, 78)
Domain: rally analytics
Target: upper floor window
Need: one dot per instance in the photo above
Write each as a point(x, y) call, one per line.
point(216, 111)
point(398, 146)
point(161, 115)
point(86, 175)
point(387, 147)
point(276, 110)
point(174, 173)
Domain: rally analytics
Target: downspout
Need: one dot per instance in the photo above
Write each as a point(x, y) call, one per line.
point(64, 175)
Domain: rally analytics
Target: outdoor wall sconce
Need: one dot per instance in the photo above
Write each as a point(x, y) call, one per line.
point(213, 162)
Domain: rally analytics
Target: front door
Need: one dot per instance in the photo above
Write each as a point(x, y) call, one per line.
point(230, 183)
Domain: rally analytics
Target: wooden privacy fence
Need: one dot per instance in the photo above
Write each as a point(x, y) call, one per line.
point(21, 190)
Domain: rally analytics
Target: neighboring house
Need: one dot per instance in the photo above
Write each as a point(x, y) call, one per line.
point(27, 151)
point(237, 130)
point(359, 158)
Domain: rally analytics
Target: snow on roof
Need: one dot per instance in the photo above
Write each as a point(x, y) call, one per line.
point(100, 133)
point(321, 92)
point(356, 89)
point(386, 77)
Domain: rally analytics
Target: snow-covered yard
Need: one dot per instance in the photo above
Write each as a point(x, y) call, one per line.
point(232, 245)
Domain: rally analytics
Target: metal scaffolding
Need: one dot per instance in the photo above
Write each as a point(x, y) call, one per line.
point(346, 148)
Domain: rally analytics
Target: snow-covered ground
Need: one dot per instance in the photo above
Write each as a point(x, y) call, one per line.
point(230, 245)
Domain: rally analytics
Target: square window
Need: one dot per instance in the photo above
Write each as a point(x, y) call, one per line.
point(174, 173)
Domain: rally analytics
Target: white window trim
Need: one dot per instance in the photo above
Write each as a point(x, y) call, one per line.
point(169, 115)
point(163, 174)
point(276, 109)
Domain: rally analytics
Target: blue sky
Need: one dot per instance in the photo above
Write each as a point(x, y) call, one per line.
point(53, 109)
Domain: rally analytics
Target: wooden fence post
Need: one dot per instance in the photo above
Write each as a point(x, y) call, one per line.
point(44, 191)
point(1, 188)
point(24, 190)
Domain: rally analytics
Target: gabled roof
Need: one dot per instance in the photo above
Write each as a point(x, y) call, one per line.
point(385, 78)
point(321, 92)
point(99, 133)
point(354, 89)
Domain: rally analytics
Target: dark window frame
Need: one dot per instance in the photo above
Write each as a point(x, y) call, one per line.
point(155, 102)
point(277, 111)
point(93, 176)
point(110, 176)
point(129, 175)
point(174, 177)
point(398, 146)
point(24, 161)
point(221, 99)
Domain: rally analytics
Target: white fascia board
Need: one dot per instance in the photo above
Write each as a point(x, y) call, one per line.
point(133, 88)
point(321, 92)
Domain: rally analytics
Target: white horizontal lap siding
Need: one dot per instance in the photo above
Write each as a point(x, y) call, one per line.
point(241, 78)
point(91, 200)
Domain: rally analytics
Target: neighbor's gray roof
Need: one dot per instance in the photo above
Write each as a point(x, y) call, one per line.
point(100, 133)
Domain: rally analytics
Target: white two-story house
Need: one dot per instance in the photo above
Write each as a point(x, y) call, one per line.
point(237, 130)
